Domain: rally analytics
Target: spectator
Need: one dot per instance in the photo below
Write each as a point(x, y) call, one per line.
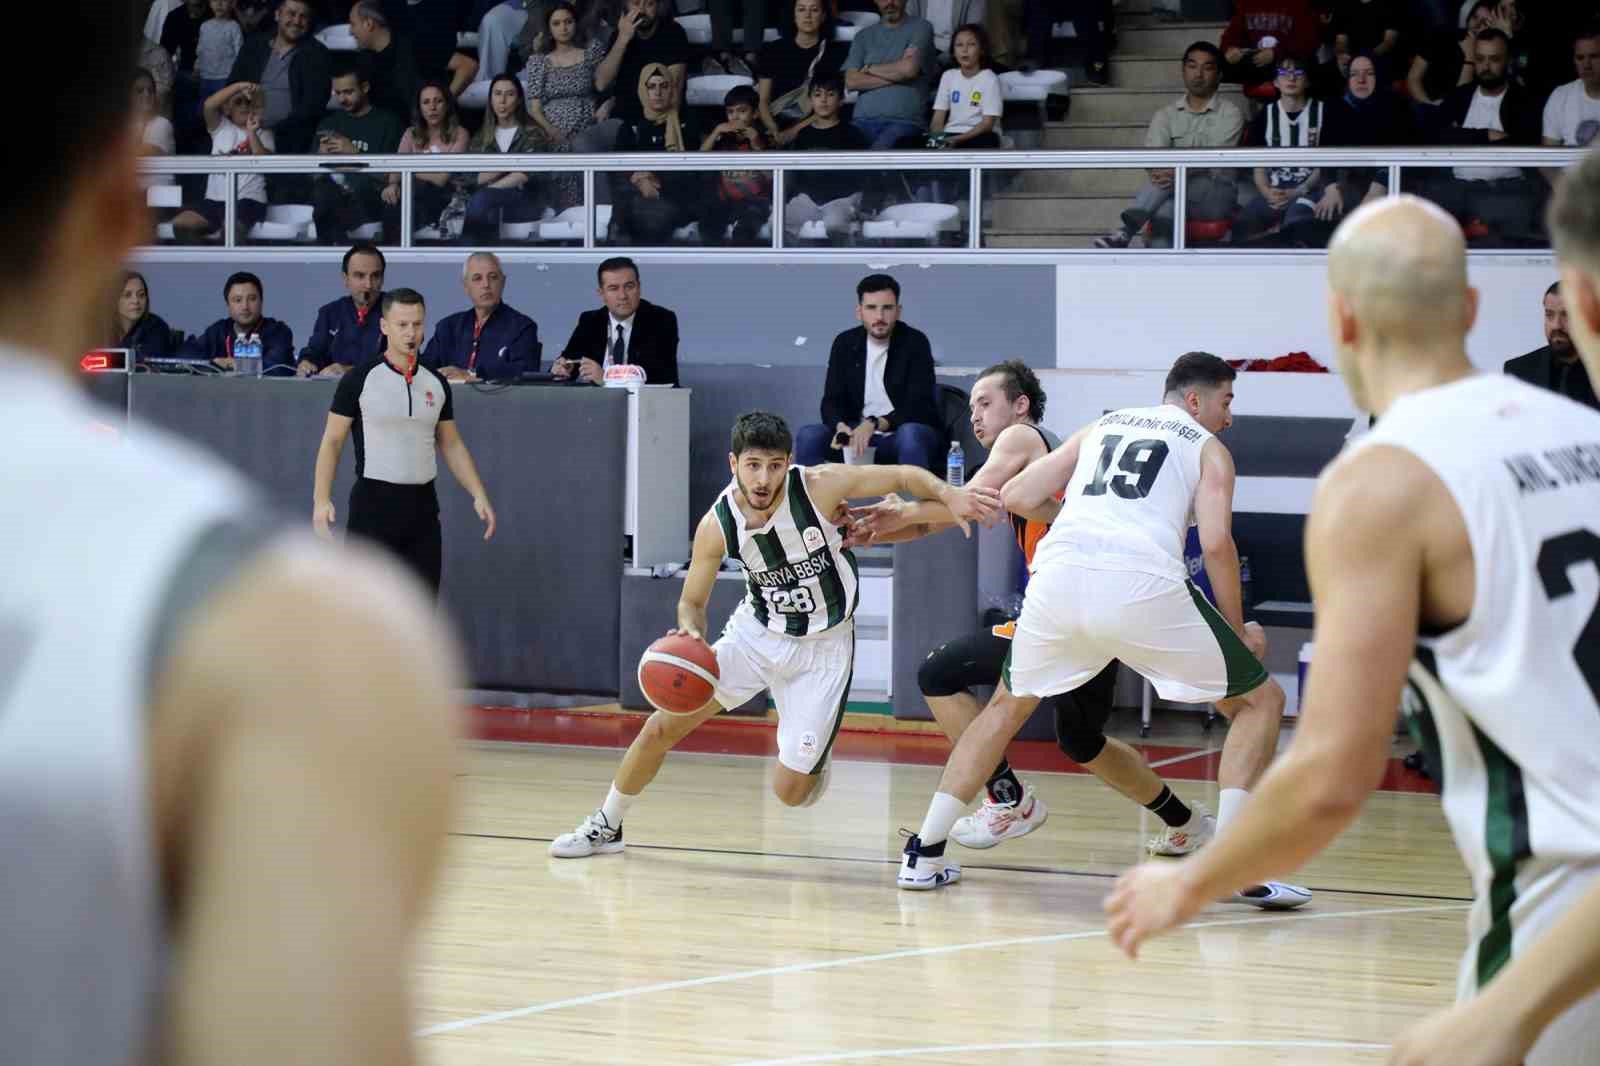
point(435, 130)
point(1285, 195)
point(1556, 366)
point(252, 15)
point(493, 341)
point(628, 329)
point(221, 38)
point(503, 195)
point(1447, 60)
point(432, 27)
point(740, 201)
point(1366, 116)
point(1572, 114)
point(346, 332)
point(242, 293)
point(1198, 119)
point(155, 132)
point(154, 58)
point(1493, 111)
point(650, 206)
point(1371, 26)
point(180, 33)
point(156, 20)
point(1092, 24)
point(832, 197)
point(948, 16)
point(134, 326)
point(294, 71)
point(891, 65)
point(792, 65)
point(1262, 32)
point(392, 69)
point(561, 95)
point(343, 201)
point(967, 106)
point(880, 391)
point(499, 28)
point(643, 39)
point(722, 59)
point(233, 118)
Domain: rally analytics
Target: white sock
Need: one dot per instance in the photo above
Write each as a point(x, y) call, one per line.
point(942, 814)
point(1228, 804)
point(616, 806)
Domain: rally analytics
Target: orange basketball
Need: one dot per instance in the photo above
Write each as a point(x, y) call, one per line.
point(678, 674)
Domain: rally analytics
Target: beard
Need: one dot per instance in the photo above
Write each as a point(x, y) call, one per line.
point(763, 504)
point(1561, 344)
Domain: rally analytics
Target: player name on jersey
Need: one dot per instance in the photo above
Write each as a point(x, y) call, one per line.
point(1183, 429)
point(817, 563)
point(1557, 468)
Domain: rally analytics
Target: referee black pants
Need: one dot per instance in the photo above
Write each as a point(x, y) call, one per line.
point(402, 518)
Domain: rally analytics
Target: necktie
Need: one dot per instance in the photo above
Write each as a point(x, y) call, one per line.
point(619, 349)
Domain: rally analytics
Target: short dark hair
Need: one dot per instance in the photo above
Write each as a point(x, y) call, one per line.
point(1574, 215)
point(830, 82)
point(59, 153)
point(763, 430)
point(408, 297)
point(877, 283)
point(1554, 289)
point(616, 262)
point(351, 66)
point(741, 94)
point(1495, 33)
point(1587, 31)
point(1020, 380)
point(1198, 368)
point(1204, 48)
point(363, 248)
point(979, 34)
point(243, 277)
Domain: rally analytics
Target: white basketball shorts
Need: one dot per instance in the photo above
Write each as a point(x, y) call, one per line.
point(809, 678)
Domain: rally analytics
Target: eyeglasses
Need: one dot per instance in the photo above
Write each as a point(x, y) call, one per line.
point(1291, 72)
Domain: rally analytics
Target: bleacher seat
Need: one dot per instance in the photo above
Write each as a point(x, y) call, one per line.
point(853, 22)
point(817, 230)
point(697, 28)
point(367, 231)
point(709, 90)
point(301, 215)
point(165, 232)
point(913, 222)
point(467, 39)
point(1017, 86)
point(164, 196)
point(276, 231)
point(338, 38)
point(1265, 92)
point(566, 226)
point(518, 231)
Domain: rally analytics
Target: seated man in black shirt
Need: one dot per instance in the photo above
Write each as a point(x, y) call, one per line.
point(832, 197)
point(1556, 366)
point(391, 62)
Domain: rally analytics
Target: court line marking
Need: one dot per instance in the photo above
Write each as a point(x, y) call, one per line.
point(1202, 753)
point(1072, 1045)
point(890, 956)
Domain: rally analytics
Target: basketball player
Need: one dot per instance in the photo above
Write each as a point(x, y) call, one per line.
point(793, 633)
point(1007, 404)
point(1453, 556)
point(214, 851)
point(1109, 582)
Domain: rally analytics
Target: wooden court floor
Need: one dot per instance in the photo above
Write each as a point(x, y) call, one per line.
point(734, 930)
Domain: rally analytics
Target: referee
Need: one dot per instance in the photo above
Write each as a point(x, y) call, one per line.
point(401, 414)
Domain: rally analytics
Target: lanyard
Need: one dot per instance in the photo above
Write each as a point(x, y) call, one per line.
point(477, 331)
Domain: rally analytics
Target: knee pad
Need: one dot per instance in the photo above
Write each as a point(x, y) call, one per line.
point(1080, 736)
point(940, 673)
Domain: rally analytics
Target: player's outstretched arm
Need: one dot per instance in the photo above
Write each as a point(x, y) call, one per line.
point(707, 555)
point(302, 806)
point(1503, 1022)
point(1032, 492)
point(1364, 555)
point(833, 483)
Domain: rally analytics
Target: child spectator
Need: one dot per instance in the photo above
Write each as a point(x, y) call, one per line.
point(966, 109)
point(740, 198)
point(233, 118)
point(832, 197)
point(220, 40)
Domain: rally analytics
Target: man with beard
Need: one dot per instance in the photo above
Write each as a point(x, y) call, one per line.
point(793, 633)
point(295, 73)
point(245, 298)
point(1555, 366)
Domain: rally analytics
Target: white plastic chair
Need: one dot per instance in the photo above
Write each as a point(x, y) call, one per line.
point(602, 221)
point(165, 232)
point(467, 39)
point(338, 38)
point(1017, 87)
point(851, 23)
point(291, 214)
point(566, 226)
point(518, 231)
point(164, 196)
point(913, 222)
point(275, 231)
point(696, 27)
point(1064, 30)
point(709, 90)
point(367, 231)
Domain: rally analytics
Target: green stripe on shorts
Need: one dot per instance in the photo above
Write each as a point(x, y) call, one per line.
point(1245, 672)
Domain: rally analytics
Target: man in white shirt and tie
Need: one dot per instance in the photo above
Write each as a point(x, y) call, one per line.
point(628, 329)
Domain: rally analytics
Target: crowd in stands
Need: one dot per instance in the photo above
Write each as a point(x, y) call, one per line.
point(552, 76)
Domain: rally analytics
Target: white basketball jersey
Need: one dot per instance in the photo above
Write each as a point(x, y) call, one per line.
point(97, 532)
point(1510, 699)
point(1128, 504)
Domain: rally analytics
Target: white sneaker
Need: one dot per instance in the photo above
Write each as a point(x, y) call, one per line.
point(922, 873)
point(1181, 840)
point(1272, 896)
point(995, 822)
point(594, 836)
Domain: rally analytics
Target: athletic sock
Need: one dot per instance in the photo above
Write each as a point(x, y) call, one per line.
point(616, 806)
point(1170, 809)
point(1228, 803)
point(1010, 790)
point(942, 814)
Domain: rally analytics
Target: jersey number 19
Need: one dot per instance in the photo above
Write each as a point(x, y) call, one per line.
point(1138, 466)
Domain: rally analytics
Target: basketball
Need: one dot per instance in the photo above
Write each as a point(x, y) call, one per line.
point(678, 674)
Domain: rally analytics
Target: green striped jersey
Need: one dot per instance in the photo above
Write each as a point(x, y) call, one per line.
point(801, 582)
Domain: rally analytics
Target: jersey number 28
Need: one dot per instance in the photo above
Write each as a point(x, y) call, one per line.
point(1138, 466)
point(1556, 556)
point(790, 601)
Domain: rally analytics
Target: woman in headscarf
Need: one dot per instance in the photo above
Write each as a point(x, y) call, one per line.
point(1366, 116)
point(648, 206)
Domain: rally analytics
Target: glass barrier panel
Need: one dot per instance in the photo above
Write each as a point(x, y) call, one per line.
point(684, 208)
point(328, 208)
point(1497, 206)
point(876, 208)
point(1069, 209)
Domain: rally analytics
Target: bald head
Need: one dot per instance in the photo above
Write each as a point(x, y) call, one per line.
point(1400, 266)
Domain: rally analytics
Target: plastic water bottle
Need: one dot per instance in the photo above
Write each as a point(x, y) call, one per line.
point(955, 468)
point(247, 356)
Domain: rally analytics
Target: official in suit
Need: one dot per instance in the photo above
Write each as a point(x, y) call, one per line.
point(628, 329)
point(1556, 366)
point(880, 391)
point(346, 332)
point(244, 296)
point(493, 341)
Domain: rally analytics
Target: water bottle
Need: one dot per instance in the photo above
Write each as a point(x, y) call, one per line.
point(247, 356)
point(955, 468)
point(1246, 593)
